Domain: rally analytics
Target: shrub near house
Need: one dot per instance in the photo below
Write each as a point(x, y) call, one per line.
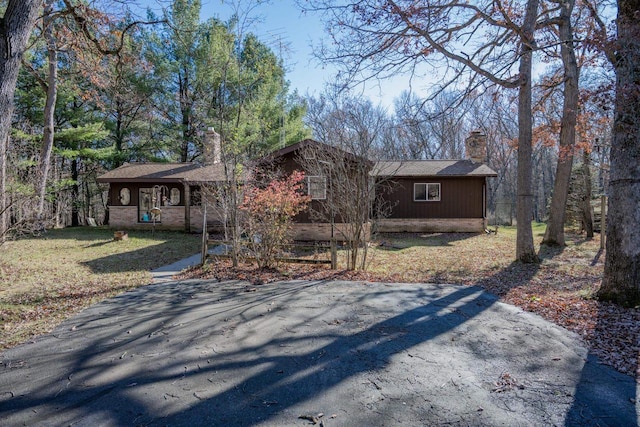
point(269, 213)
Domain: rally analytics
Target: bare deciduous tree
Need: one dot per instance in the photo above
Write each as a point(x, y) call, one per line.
point(621, 282)
point(431, 129)
point(554, 234)
point(375, 39)
point(223, 200)
point(353, 128)
point(17, 22)
point(587, 215)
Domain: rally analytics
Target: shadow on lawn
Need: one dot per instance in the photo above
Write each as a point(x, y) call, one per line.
point(73, 233)
point(392, 241)
point(103, 233)
point(142, 259)
point(146, 258)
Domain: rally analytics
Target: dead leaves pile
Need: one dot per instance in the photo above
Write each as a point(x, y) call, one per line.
point(506, 382)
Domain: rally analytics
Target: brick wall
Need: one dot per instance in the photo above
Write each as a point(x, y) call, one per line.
point(126, 217)
point(122, 216)
point(322, 231)
point(196, 218)
point(173, 217)
point(432, 225)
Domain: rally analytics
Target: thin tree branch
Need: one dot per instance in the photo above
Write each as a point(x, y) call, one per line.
point(83, 24)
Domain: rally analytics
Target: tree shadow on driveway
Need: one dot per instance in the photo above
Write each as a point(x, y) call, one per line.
point(603, 392)
point(284, 345)
point(601, 396)
point(208, 353)
point(302, 376)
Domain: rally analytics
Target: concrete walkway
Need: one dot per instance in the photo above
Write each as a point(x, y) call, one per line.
point(208, 353)
point(166, 273)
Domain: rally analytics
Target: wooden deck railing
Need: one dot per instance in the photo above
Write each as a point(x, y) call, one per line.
point(317, 248)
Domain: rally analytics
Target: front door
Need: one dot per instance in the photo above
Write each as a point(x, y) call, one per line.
point(146, 203)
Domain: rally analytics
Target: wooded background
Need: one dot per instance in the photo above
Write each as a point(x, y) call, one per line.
point(548, 81)
point(116, 89)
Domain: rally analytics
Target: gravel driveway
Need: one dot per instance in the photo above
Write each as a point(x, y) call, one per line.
point(293, 353)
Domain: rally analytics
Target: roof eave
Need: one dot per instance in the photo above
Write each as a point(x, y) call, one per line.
point(472, 175)
point(140, 180)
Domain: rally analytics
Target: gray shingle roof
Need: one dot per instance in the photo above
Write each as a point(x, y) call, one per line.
point(176, 172)
point(410, 168)
point(197, 173)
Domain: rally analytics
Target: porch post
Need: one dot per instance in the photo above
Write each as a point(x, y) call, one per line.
point(187, 208)
point(485, 221)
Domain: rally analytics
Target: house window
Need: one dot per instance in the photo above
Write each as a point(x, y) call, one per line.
point(125, 196)
point(317, 187)
point(196, 196)
point(174, 196)
point(147, 208)
point(426, 192)
point(145, 204)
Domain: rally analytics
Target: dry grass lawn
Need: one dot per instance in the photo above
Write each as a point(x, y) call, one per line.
point(45, 279)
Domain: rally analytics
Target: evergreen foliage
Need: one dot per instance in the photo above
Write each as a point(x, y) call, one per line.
point(129, 91)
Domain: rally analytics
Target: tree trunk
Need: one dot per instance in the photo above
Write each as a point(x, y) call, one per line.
point(88, 204)
point(4, 224)
point(184, 150)
point(185, 110)
point(119, 136)
point(587, 216)
point(75, 194)
point(554, 234)
point(621, 282)
point(55, 202)
point(49, 108)
point(15, 28)
point(525, 250)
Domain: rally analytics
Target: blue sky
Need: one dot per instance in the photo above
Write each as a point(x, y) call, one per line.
point(290, 33)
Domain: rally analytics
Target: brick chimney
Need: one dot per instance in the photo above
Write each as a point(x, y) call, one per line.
point(212, 147)
point(476, 147)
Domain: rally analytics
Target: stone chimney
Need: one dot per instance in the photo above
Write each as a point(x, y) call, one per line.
point(476, 147)
point(212, 147)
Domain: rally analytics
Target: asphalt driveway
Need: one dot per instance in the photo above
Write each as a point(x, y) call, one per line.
point(294, 353)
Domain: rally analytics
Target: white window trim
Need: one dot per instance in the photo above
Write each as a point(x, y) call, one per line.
point(427, 184)
point(174, 196)
point(125, 196)
point(324, 181)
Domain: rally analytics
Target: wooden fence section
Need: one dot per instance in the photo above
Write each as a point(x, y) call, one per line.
point(332, 247)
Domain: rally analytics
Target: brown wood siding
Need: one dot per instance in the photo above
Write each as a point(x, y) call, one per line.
point(286, 165)
point(115, 187)
point(460, 197)
point(114, 193)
